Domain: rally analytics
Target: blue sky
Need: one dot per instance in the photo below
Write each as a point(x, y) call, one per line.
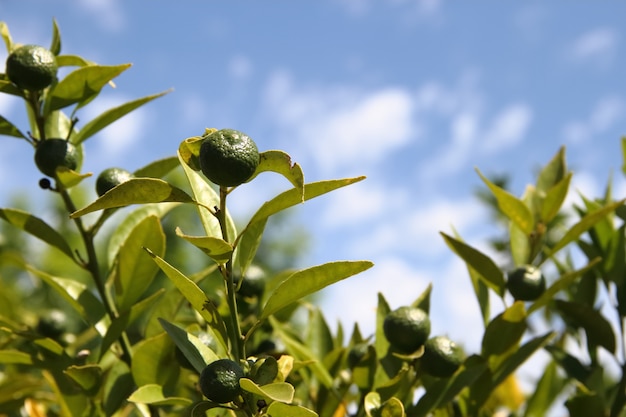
point(412, 93)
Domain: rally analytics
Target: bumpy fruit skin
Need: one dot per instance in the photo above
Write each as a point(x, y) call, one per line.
point(219, 381)
point(442, 357)
point(53, 153)
point(407, 328)
point(228, 157)
point(31, 67)
point(110, 178)
point(526, 283)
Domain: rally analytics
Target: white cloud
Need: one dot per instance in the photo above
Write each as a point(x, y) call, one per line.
point(508, 127)
point(598, 45)
point(240, 67)
point(605, 114)
point(340, 128)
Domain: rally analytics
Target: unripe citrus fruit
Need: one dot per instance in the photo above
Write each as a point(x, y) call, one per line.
point(110, 178)
point(526, 283)
point(31, 67)
point(357, 353)
point(253, 284)
point(228, 157)
point(407, 328)
point(52, 324)
point(442, 357)
point(53, 153)
point(219, 381)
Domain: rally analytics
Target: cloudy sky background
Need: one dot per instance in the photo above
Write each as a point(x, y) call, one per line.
point(411, 93)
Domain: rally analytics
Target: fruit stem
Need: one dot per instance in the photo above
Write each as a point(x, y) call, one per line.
point(237, 340)
point(94, 269)
point(33, 102)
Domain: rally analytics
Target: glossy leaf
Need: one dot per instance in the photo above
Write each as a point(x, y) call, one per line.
point(136, 191)
point(81, 85)
point(217, 249)
point(512, 207)
point(308, 281)
point(135, 270)
point(277, 391)
point(112, 115)
point(250, 237)
point(153, 394)
point(554, 199)
point(583, 225)
point(278, 409)
point(598, 329)
point(280, 162)
point(196, 298)
point(198, 354)
point(38, 228)
point(480, 262)
point(9, 129)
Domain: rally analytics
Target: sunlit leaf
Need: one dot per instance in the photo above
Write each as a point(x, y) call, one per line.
point(153, 394)
point(89, 377)
point(55, 45)
point(38, 228)
point(278, 409)
point(111, 115)
point(583, 225)
point(553, 172)
point(158, 168)
point(308, 281)
point(277, 391)
point(15, 357)
point(150, 352)
point(281, 163)
point(6, 36)
point(82, 85)
point(218, 249)
point(511, 206)
point(554, 199)
point(189, 151)
point(73, 61)
point(136, 191)
point(9, 129)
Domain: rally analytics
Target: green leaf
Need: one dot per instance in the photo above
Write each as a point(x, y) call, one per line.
point(8, 88)
point(55, 45)
point(10, 356)
point(423, 300)
point(598, 329)
point(512, 207)
point(38, 228)
point(88, 377)
point(153, 394)
point(135, 271)
point(585, 405)
point(250, 237)
point(9, 129)
point(124, 320)
point(583, 225)
point(204, 193)
point(136, 191)
point(308, 281)
point(73, 61)
point(278, 409)
point(570, 364)
point(81, 85)
point(554, 199)
point(131, 220)
point(6, 36)
point(549, 386)
point(553, 173)
point(152, 358)
point(277, 391)
point(196, 298)
point(112, 115)
point(520, 245)
point(505, 331)
point(564, 281)
point(217, 249)
point(280, 162)
point(480, 262)
point(520, 356)
point(318, 336)
point(198, 354)
point(158, 168)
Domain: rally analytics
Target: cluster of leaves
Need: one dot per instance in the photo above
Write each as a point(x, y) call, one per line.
point(148, 327)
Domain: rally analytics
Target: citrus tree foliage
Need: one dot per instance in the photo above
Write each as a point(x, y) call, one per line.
point(145, 329)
